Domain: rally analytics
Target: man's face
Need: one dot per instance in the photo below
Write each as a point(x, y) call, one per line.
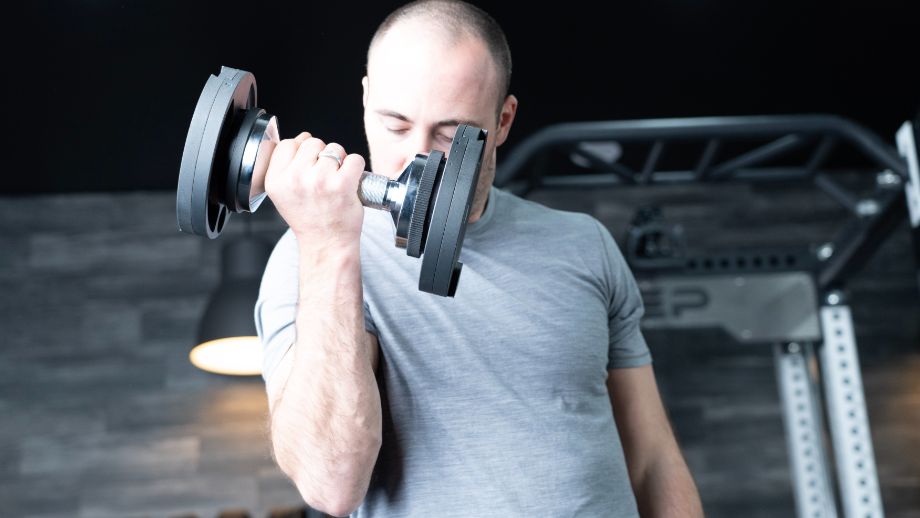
point(418, 89)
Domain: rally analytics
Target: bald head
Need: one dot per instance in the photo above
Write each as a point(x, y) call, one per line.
point(449, 23)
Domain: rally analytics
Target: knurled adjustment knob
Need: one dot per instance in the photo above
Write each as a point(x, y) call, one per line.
point(422, 203)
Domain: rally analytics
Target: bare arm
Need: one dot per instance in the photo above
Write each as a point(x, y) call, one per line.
point(323, 397)
point(659, 476)
point(325, 404)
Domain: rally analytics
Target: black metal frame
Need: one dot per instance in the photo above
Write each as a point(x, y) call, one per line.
point(808, 143)
point(872, 220)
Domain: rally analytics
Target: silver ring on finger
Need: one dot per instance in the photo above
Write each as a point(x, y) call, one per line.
point(333, 155)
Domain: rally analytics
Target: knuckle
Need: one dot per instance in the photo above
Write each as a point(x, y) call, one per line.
point(285, 146)
point(355, 160)
point(313, 141)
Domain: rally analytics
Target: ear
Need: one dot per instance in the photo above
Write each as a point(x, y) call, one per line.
point(505, 119)
point(365, 89)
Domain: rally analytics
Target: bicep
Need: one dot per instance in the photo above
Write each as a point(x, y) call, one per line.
point(639, 412)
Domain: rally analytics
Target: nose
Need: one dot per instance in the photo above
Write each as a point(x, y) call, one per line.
point(420, 143)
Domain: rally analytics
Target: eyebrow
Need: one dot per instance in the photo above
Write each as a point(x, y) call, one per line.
point(446, 122)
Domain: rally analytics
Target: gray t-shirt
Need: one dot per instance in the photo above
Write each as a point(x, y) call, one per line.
point(495, 401)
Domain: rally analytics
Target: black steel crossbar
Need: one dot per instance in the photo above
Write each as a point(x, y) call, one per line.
point(868, 227)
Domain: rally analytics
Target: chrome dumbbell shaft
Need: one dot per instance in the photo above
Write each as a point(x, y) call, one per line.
point(379, 192)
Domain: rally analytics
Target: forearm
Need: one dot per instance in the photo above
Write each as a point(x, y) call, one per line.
point(659, 475)
point(665, 488)
point(326, 424)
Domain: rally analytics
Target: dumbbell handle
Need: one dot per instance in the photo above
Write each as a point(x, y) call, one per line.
point(375, 191)
point(379, 192)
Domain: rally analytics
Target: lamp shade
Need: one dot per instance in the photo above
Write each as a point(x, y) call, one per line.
point(227, 341)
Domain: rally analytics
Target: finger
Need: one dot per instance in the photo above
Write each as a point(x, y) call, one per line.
point(286, 149)
point(334, 153)
point(306, 154)
point(283, 154)
point(353, 167)
point(349, 176)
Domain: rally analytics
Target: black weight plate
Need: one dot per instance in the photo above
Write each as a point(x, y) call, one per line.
point(443, 196)
point(200, 207)
point(190, 154)
point(450, 213)
point(420, 211)
point(448, 269)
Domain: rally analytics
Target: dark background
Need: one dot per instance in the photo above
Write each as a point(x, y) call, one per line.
point(106, 88)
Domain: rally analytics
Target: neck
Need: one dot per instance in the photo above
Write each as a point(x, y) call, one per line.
point(476, 212)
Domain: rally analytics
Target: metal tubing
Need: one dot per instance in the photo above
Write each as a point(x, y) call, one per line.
point(849, 423)
point(811, 481)
point(772, 150)
point(702, 128)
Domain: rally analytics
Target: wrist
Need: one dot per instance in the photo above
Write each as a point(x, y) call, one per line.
point(328, 252)
point(327, 269)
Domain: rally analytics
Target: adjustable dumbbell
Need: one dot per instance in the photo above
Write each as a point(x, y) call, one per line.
point(228, 149)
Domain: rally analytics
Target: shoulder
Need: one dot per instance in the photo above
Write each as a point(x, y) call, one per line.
point(578, 238)
point(282, 264)
point(566, 224)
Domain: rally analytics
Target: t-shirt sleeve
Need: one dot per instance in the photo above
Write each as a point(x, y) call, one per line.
point(627, 346)
point(369, 320)
point(276, 307)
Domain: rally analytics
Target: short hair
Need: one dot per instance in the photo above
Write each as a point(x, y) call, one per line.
point(458, 19)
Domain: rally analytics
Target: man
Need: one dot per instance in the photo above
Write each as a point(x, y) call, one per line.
point(387, 401)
